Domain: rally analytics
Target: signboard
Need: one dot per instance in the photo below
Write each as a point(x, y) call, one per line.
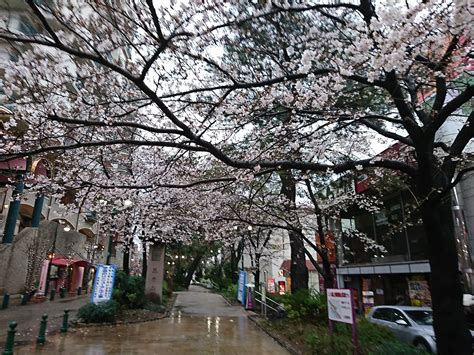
point(271, 285)
point(241, 287)
point(43, 278)
point(420, 294)
point(249, 300)
point(103, 283)
point(281, 287)
point(341, 309)
point(340, 305)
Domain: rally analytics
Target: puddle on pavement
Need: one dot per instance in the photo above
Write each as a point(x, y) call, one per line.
point(179, 334)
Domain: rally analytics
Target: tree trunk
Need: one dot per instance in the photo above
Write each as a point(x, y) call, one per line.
point(191, 270)
point(235, 255)
point(257, 271)
point(450, 323)
point(126, 260)
point(298, 270)
point(327, 272)
point(452, 333)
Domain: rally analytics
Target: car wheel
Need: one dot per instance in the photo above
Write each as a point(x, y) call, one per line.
point(422, 345)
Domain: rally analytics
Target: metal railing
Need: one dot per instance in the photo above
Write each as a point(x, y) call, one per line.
point(267, 303)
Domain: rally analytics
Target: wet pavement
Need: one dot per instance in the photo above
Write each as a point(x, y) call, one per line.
point(28, 317)
point(201, 323)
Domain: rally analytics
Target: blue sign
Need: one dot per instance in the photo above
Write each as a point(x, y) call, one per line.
point(103, 283)
point(241, 287)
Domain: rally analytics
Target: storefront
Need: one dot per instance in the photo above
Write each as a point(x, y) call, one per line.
point(67, 273)
point(388, 284)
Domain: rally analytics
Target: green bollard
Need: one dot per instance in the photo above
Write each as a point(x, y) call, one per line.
point(65, 321)
point(42, 332)
point(10, 339)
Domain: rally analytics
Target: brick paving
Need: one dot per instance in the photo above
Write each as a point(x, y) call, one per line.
point(28, 317)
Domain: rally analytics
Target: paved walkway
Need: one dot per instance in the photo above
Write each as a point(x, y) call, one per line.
point(200, 301)
point(201, 323)
point(28, 317)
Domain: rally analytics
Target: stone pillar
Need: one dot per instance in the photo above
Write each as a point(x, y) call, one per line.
point(35, 220)
point(156, 271)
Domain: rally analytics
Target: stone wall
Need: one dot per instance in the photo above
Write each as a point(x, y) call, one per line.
point(20, 262)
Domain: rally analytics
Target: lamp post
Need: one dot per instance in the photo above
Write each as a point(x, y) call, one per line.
point(51, 256)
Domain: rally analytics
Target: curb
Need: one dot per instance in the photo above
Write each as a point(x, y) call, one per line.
point(80, 325)
point(286, 345)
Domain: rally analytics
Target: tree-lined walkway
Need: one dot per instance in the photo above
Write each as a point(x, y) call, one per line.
point(200, 301)
point(201, 323)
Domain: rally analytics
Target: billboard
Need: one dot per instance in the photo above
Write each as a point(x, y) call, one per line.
point(103, 283)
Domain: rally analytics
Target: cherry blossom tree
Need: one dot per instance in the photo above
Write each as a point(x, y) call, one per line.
point(100, 81)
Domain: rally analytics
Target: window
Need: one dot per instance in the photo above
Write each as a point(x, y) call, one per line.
point(421, 317)
point(382, 314)
point(397, 315)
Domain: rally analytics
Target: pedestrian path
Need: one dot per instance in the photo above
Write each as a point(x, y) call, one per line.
point(201, 323)
point(200, 301)
point(28, 317)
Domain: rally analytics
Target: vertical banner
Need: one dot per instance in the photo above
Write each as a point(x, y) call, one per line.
point(241, 287)
point(43, 278)
point(249, 300)
point(103, 283)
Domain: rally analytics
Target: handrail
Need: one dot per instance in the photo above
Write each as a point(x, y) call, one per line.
point(269, 299)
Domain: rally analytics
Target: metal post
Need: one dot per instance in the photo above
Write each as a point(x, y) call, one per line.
point(42, 331)
point(52, 295)
point(24, 298)
point(65, 321)
point(109, 249)
point(13, 211)
point(79, 291)
point(6, 300)
point(36, 218)
point(10, 339)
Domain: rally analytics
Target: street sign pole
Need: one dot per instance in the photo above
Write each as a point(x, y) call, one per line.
point(341, 308)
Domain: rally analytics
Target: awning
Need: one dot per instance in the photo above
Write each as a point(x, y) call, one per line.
point(63, 261)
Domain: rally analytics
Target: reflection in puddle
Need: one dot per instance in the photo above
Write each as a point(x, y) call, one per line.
point(176, 335)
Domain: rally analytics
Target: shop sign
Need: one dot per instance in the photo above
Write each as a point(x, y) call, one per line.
point(419, 292)
point(241, 287)
point(103, 283)
point(340, 305)
point(281, 287)
point(271, 285)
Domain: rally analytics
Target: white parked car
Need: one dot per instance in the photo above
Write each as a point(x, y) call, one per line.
point(413, 325)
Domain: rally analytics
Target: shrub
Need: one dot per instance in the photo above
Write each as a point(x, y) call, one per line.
point(154, 307)
point(230, 292)
point(105, 312)
point(129, 291)
point(304, 305)
point(373, 339)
